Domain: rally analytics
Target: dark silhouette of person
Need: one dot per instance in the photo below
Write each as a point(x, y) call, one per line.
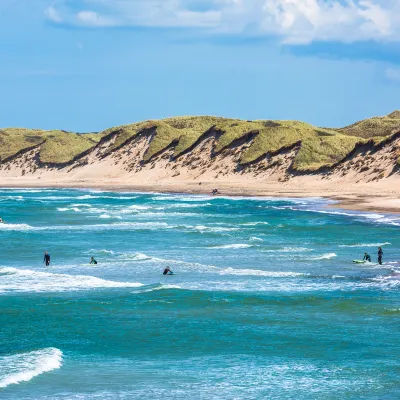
point(167, 271)
point(367, 257)
point(46, 258)
point(380, 255)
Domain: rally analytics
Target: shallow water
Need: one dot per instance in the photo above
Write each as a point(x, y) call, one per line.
point(265, 302)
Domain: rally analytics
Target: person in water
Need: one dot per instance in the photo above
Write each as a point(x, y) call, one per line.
point(93, 261)
point(367, 257)
point(46, 258)
point(2, 221)
point(167, 271)
point(380, 255)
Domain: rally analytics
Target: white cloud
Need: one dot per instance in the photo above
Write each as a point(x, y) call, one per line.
point(295, 21)
point(393, 74)
point(53, 15)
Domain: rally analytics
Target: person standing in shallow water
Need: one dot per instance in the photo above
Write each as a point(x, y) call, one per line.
point(380, 255)
point(46, 258)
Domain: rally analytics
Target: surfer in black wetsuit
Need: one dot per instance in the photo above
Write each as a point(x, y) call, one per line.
point(380, 255)
point(367, 257)
point(93, 261)
point(46, 258)
point(167, 271)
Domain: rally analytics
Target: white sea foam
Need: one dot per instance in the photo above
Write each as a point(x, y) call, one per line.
point(256, 272)
point(365, 245)
point(255, 239)
point(105, 216)
point(202, 228)
point(233, 246)
point(23, 367)
point(289, 250)
point(15, 227)
point(255, 223)
point(19, 280)
point(326, 256)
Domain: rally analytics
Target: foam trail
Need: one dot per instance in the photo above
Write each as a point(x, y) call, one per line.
point(18, 280)
point(327, 256)
point(25, 366)
point(365, 245)
point(256, 272)
point(232, 246)
point(15, 227)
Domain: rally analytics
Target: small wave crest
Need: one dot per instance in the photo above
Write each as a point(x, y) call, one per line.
point(326, 256)
point(232, 246)
point(365, 245)
point(15, 227)
point(19, 280)
point(257, 272)
point(25, 366)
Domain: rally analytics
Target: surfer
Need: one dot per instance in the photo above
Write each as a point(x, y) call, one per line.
point(46, 258)
point(167, 271)
point(93, 261)
point(367, 257)
point(2, 221)
point(380, 255)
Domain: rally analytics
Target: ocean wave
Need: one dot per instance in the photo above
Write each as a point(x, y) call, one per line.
point(289, 250)
point(25, 366)
point(232, 246)
point(102, 251)
point(255, 239)
point(256, 272)
point(183, 198)
point(365, 245)
point(255, 223)
point(15, 227)
point(202, 228)
point(19, 280)
point(156, 287)
point(326, 256)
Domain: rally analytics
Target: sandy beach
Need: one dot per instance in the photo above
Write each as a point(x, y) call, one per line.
point(382, 196)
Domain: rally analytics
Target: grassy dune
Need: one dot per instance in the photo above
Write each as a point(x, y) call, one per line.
point(318, 146)
point(56, 146)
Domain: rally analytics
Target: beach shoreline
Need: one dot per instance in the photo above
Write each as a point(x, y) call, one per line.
point(376, 197)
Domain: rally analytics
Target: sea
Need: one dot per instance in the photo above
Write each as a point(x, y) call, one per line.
point(265, 301)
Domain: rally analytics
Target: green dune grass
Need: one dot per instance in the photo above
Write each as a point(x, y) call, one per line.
point(318, 146)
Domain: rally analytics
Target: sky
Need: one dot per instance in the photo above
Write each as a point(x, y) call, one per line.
point(87, 65)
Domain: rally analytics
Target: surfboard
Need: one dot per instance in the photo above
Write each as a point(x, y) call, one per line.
point(359, 261)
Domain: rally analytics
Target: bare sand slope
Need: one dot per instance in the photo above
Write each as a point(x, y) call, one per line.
point(368, 178)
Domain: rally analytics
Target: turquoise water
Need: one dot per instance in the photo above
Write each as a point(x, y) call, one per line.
point(265, 302)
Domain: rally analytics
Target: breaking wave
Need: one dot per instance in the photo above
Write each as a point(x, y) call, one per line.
point(20, 280)
point(25, 366)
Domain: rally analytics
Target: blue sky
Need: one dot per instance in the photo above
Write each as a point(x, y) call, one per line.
point(86, 65)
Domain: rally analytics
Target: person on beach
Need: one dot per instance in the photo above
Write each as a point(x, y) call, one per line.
point(46, 258)
point(93, 261)
point(380, 255)
point(367, 257)
point(167, 271)
point(215, 192)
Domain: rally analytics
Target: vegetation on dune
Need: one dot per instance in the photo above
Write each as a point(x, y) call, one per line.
point(374, 127)
point(318, 146)
point(63, 147)
point(57, 146)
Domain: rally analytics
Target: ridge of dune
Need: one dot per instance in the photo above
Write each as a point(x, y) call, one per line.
point(198, 153)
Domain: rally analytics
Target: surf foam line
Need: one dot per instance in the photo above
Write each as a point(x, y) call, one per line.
point(19, 280)
point(25, 366)
point(366, 245)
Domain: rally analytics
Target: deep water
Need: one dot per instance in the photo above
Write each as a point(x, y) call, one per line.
point(265, 302)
